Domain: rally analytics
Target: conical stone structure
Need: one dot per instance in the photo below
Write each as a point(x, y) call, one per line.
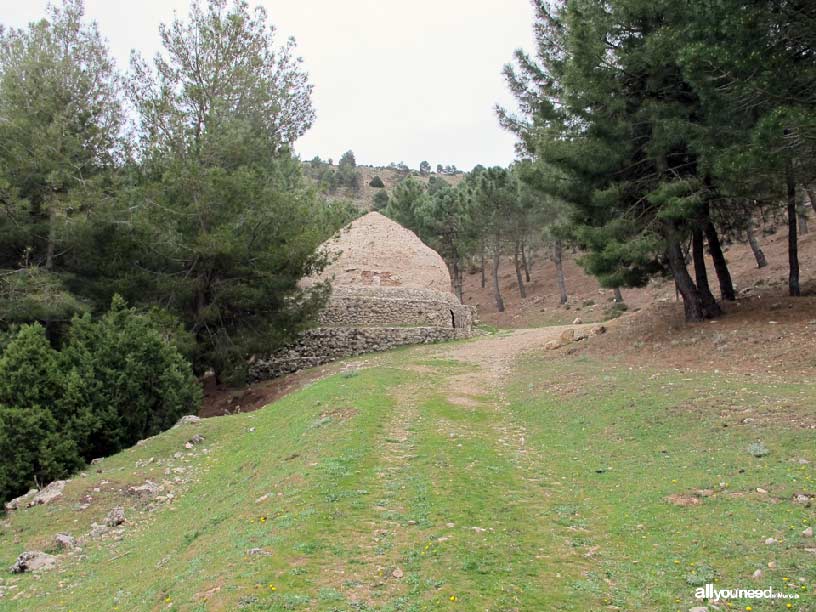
point(388, 289)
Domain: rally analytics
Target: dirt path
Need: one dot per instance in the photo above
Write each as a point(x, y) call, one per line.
point(494, 355)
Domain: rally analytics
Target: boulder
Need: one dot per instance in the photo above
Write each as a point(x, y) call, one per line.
point(65, 541)
point(148, 489)
point(48, 494)
point(20, 502)
point(189, 419)
point(33, 561)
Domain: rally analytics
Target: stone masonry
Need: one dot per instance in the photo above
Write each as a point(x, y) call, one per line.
point(388, 290)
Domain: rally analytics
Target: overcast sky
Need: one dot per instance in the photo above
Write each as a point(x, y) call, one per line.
point(394, 80)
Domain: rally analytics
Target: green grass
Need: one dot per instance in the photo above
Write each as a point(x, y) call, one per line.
point(552, 497)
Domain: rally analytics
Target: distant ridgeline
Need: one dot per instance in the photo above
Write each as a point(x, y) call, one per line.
point(369, 186)
point(388, 289)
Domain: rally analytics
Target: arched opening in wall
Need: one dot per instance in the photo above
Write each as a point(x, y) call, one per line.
point(453, 320)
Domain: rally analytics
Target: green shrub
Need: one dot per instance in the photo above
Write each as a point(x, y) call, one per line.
point(380, 200)
point(29, 370)
point(34, 448)
point(615, 310)
point(376, 182)
point(116, 381)
point(135, 382)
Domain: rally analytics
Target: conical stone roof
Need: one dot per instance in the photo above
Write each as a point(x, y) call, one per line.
point(376, 251)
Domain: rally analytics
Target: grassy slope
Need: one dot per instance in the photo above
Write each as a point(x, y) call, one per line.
point(387, 492)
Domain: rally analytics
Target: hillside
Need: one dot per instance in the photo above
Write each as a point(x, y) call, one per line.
point(391, 177)
point(484, 474)
point(590, 302)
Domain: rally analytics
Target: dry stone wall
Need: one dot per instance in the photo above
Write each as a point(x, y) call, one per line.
point(323, 345)
point(394, 307)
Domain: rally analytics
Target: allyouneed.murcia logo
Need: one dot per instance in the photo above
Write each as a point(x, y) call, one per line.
point(709, 592)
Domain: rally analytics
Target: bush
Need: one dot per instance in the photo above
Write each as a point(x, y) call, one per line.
point(380, 200)
point(376, 182)
point(134, 381)
point(116, 381)
point(34, 450)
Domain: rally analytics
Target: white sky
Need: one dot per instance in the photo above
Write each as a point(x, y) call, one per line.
point(394, 80)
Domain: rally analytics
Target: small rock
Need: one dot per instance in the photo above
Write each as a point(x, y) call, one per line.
point(97, 530)
point(412, 523)
point(770, 541)
point(96, 461)
point(258, 552)
point(761, 490)
point(64, 541)
point(552, 345)
point(115, 517)
point(251, 429)
point(33, 561)
point(808, 533)
point(580, 335)
point(450, 525)
point(757, 574)
point(803, 462)
point(802, 498)
point(262, 498)
point(148, 489)
point(188, 445)
point(397, 573)
point(698, 609)
point(48, 494)
point(577, 321)
point(771, 564)
point(597, 330)
point(189, 419)
point(196, 439)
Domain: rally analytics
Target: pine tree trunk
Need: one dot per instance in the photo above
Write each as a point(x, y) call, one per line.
point(559, 269)
point(519, 280)
point(52, 238)
point(618, 295)
point(710, 307)
point(692, 302)
point(803, 221)
point(484, 280)
point(456, 278)
point(793, 242)
point(525, 262)
point(496, 287)
point(720, 265)
point(758, 254)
